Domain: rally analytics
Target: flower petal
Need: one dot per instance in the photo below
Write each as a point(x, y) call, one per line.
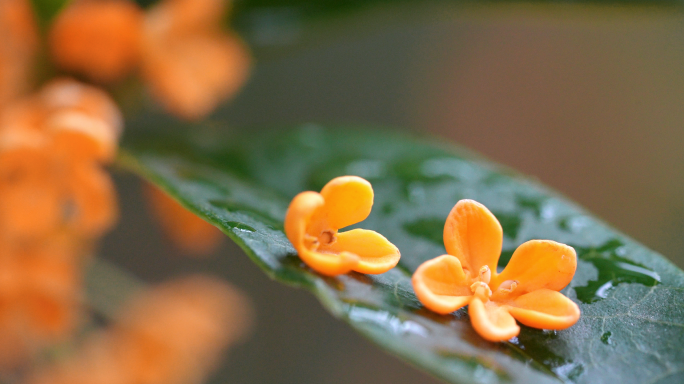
point(376, 254)
point(348, 200)
point(99, 39)
point(474, 235)
point(30, 205)
point(539, 264)
point(492, 321)
point(441, 285)
point(545, 309)
point(192, 73)
point(298, 216)
point(187, 16)
point(64, 94)
point(93, 199)
point(329, 264)
point(81, 137)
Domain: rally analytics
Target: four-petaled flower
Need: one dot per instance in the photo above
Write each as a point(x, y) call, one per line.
point(313, 220)
point(526, 290)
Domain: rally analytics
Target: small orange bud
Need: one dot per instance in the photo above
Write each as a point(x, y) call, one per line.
point(18, 46)
point(191, 74)
point(99, 39)
point(188, 63)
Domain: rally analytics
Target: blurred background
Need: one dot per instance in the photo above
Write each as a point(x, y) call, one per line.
point(587, 99)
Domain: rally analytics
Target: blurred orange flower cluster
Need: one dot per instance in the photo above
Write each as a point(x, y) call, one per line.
point(172, 334)
point(57, 200)
point(51, 147)
point(18, 48)
point(39, 298)
point(187, 61)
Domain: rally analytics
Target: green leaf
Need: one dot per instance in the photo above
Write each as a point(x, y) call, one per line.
point(632, 302)
point(46, 10)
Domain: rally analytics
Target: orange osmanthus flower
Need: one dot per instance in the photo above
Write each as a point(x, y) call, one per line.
point(313, 220)
point(55, 199)
point(172, 334)
point(185, 229)
point(51, 147)
point(175, 332)
point(188, 62)
point(76, 121)
point(526, 290)
point(83, 121)
point(36, 203)
point(18, 48)
point(39, 296)
point(98, 38)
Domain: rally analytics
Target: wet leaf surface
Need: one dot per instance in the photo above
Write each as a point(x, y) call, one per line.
point(632, 302)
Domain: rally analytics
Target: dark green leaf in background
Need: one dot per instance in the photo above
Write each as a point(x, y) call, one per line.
point(277, 27)
point(632, 324)
point(46, 10)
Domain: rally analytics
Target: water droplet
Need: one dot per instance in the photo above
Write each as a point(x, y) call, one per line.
point(239, 226)
point(387, 321)
point(449, 167)
point(429, 171)
point(570, 371)
point(612, 270)
point(602, 291)
point(235, 207)
point(534, 346)
point(548, 212)
point(575, 223)
point(605, 338)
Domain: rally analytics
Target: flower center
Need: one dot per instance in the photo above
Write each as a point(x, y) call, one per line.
point(311, 242)
point(327, 237)
point(508, 286)
point(480, 287)
point(485, 275)
point(481, 291)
